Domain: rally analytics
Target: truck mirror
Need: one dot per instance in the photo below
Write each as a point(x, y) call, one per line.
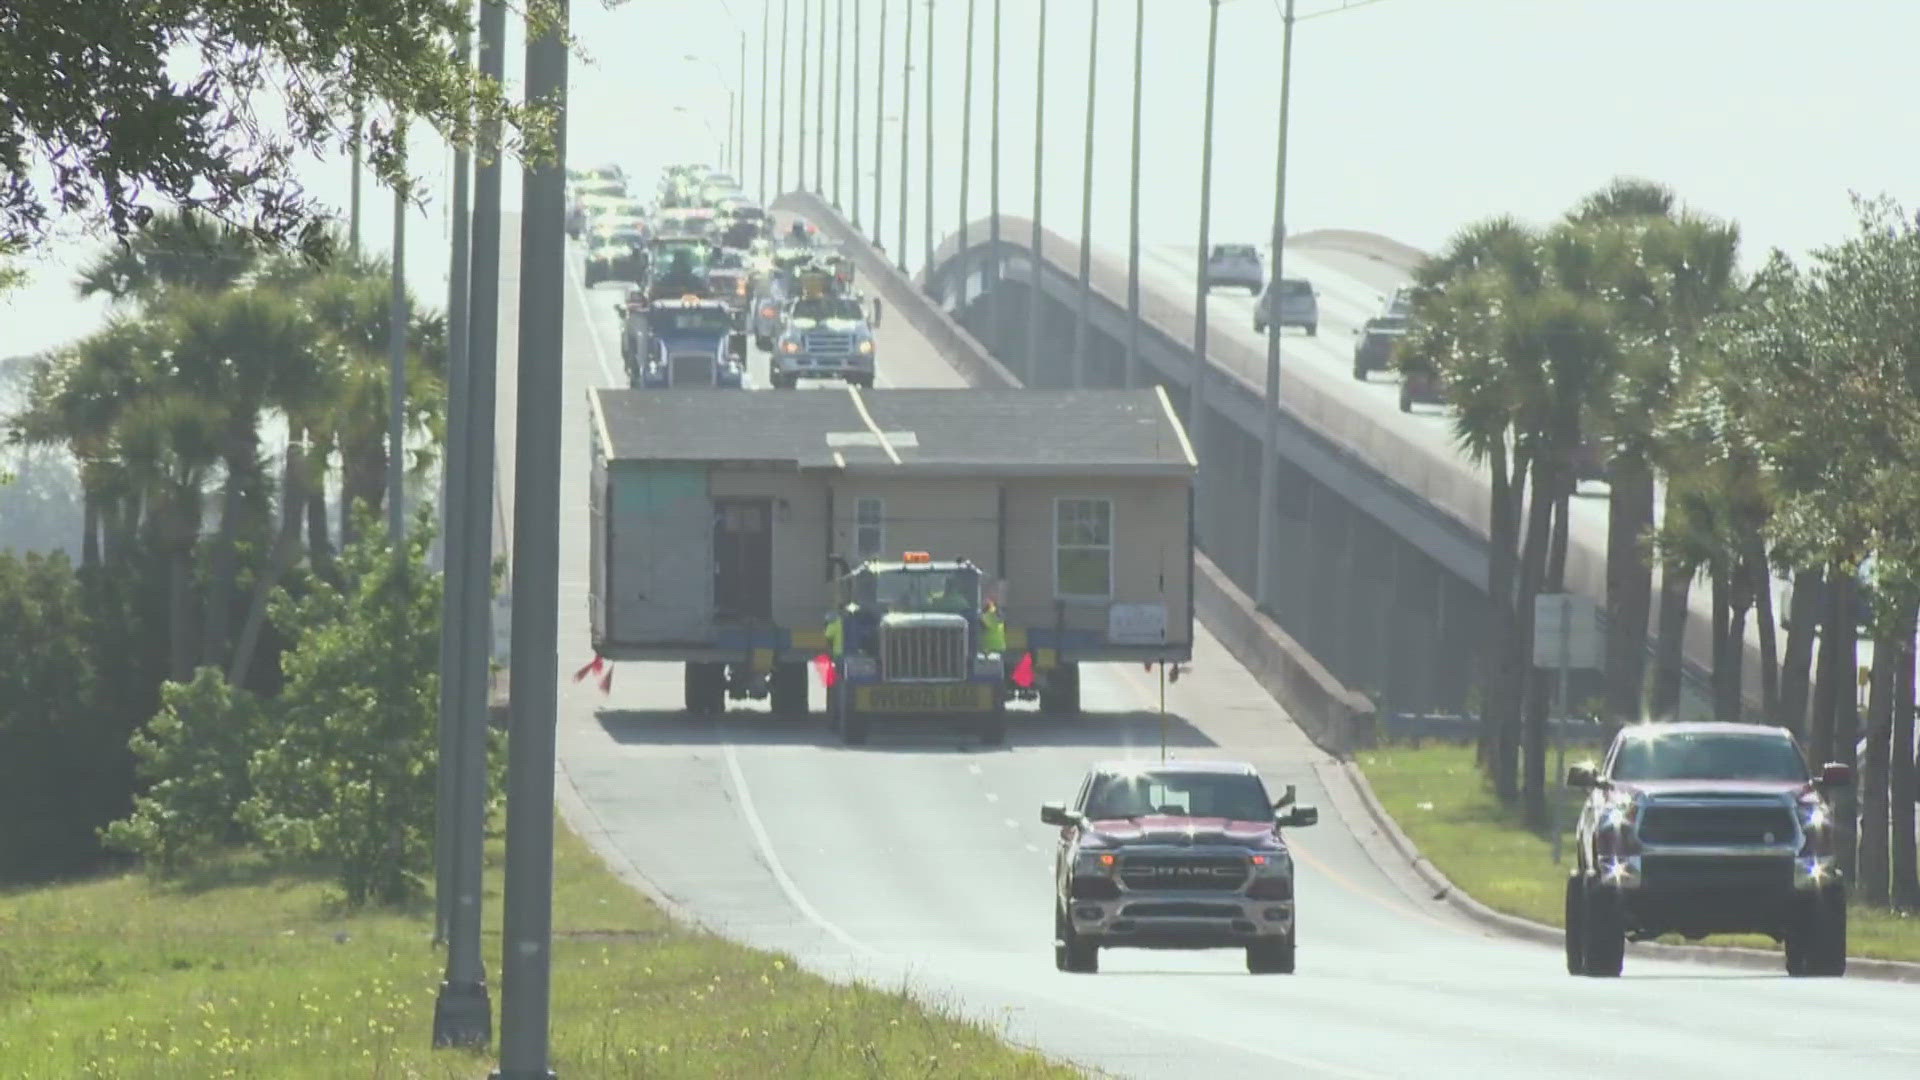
point(1836, 774)
point(1299, 817)
point(1054, 813)
point(1581, 776)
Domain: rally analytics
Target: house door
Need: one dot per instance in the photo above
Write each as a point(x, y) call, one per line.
point(743, 559)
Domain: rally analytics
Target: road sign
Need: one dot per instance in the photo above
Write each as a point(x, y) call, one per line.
point(1137, 624)
point(1566, 630)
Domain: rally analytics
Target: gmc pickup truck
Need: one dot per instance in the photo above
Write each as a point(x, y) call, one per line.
point(1706, 828)
point(1177, 855)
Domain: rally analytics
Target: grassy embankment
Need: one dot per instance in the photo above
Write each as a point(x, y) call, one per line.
point(248, 973)
point(1436, 794)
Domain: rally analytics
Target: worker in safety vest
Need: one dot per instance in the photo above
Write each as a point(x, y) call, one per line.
point(993, 629)
point(836, 635)
point(953, 595)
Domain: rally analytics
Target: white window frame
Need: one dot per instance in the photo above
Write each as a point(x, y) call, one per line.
point(1054, 525)
point(879, 526)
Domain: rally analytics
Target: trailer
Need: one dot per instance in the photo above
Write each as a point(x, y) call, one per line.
point(724, 525)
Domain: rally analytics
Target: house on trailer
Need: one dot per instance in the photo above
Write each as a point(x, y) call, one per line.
point(720, 522)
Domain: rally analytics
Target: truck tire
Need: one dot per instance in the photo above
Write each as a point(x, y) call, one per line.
point(1270, 958)
point(1816, 943)
point(1359, 370)
point(706, 689)
point(1061, 695)
point(781, 382)
point(848, 724)
point(788, 690)
point(1070, 952)
point(864, 382)
point(993, 729)
point(1604, 944)
point(1313, 329)
point(1406, 396)
point(1576, 915)
point(763, 342)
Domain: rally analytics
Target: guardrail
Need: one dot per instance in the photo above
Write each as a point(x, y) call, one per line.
point(1416, 728)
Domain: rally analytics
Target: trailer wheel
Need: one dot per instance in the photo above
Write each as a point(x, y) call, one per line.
point(706, 689)
point(789, 690)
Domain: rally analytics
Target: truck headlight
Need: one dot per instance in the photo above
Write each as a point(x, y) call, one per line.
point(866, 347)
point(789, 347)
point(1093, 862)
point(1814, 816)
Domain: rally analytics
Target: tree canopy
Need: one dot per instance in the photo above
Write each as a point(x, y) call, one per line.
point(207, 104)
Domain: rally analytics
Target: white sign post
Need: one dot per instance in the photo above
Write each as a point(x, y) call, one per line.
point(1566, 635)
point(503, 627)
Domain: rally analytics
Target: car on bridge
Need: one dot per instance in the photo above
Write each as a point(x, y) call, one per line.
point(1174, 855)
point(1377, 339)
point(1706, 828)
point(1298, 306)
point(1235, 264)
point(619, 255)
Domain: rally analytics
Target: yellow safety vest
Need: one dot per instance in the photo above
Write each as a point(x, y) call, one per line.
point(993, 631)
point(836, 636)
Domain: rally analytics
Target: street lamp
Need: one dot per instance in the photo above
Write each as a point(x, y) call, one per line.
point(1197, 381)
point(729, 159)
point(1081, 326)
point(1036, 294)
point(1263, 532)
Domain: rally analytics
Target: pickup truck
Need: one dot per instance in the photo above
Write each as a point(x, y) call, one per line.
point(824, 337)
point(1706, 828)
point(1176, 855)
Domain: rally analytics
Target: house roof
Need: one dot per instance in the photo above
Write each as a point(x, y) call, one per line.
point(901, 431)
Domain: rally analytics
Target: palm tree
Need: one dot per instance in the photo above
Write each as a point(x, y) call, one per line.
point(175, 249)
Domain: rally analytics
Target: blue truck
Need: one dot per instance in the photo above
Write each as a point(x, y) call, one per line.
point(686, 343)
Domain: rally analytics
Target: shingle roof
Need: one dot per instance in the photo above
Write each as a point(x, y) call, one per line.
point(947, 431)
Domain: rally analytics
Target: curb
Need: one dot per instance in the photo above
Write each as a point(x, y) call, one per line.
point(1515, 926)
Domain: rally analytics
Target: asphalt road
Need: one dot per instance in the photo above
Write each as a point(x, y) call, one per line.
point(920, 860)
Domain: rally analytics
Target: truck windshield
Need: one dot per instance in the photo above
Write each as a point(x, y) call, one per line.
point(921, 590)
point(676, 259)
point(690, 321)
point(832, 307)
point(1235, 796)
point(1710, 755)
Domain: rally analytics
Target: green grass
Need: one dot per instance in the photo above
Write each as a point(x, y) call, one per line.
point(1438, 796)
point(246, 972)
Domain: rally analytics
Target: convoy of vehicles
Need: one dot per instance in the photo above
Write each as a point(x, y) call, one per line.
point(1177, 855)
point(1706, 828)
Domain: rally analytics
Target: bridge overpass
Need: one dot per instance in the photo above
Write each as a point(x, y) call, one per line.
point(1381, 522)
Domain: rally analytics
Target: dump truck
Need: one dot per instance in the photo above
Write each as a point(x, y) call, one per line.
point(723, 527)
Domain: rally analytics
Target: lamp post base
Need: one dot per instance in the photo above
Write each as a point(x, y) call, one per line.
point(462, 1016)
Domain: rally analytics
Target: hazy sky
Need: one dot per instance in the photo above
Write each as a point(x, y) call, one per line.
point(1409, 117)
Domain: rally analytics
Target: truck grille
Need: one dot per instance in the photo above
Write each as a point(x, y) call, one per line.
point(1717, 825)
point(923, 653)
point(691, 369)
point(1740, 873)
point(1214, 873)
point(830, 344)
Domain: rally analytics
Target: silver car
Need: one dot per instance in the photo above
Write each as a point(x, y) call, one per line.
point(1299, 306)
point(1235, 264)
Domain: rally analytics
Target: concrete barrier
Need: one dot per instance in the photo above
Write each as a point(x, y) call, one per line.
point(1338, 720)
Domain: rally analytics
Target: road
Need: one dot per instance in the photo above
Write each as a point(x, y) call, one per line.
point(920, 860)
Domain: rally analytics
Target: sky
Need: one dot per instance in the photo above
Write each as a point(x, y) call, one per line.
point(1409, 118)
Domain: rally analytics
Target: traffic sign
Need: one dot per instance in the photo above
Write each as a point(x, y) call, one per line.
point(1566, 632)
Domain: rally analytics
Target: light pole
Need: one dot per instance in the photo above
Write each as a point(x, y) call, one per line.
point(766, 57)
point(463, 1015)
point(527, 928)
point(354, 144)
point(839, 70)
point(728, 158)
point(879, 126)
point(853, 125)
point(397, 367)
point(966, 144)
point(740, 119)
point(1081, 326)
point(927, 178)
point(1037, 297)
point(993, 196)
point(1263, 533)
point(820, 111)
point(800, 125)
point(906, 127)
point(780, 154)
point(1197, 381)
point(1131, 373)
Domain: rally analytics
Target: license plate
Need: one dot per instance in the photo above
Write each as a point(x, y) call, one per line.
point(960, 697)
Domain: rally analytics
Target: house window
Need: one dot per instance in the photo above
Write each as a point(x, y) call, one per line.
point(869, 527)
point(1083, 548)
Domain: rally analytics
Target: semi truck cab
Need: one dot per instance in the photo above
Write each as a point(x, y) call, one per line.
point(684, 343)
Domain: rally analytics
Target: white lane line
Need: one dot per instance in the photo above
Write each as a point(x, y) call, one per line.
point(1012, 824)
point(991, 797)
point(579, 291)
point(786, 883)
point(1033, 847)
point(860, 403)
point(974, 769)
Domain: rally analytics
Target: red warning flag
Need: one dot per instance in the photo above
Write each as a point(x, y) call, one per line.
point(606, 681)
point(1023, 672)
point(824, 665)
point(592, 668)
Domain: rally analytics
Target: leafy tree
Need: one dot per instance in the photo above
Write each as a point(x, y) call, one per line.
point(194, 757)
point(54, 752)
point(349, 780)
point(182, 101)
